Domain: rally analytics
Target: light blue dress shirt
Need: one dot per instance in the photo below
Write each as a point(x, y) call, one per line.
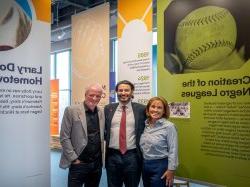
point(160, 141)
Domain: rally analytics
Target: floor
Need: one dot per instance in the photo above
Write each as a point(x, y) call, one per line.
point(59, 176)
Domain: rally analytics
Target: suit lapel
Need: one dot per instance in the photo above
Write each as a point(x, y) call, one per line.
point(83, 118)
point(136, 116)
point(101, 121)
point(111, 112)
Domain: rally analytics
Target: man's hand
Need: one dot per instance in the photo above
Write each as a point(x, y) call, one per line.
point(76, 161)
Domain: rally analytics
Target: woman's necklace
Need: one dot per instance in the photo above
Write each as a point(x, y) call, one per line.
point(151, 124)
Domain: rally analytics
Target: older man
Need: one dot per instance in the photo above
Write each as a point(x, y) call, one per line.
point(81, 138)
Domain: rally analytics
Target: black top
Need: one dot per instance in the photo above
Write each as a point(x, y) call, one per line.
point(92, 151)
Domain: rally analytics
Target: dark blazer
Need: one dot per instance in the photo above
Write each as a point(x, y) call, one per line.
point(140, 117)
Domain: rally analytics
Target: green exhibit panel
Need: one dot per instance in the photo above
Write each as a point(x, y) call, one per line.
point(204, 60)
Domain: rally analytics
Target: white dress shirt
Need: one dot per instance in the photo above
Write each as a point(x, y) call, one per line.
point(130, 127)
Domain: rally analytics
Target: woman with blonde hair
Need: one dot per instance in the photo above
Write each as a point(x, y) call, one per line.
point(159, 145)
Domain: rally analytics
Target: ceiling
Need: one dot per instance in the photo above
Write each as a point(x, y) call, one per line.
point(62, 10)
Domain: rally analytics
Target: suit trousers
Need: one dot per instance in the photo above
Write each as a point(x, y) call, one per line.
point(88, 174)
point(123, 168)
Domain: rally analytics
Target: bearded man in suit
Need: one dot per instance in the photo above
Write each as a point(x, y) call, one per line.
point(123, 156)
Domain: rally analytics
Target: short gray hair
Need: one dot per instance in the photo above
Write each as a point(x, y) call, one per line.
point(95, 86)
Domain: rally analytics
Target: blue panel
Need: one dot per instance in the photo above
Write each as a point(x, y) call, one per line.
point(25, 6)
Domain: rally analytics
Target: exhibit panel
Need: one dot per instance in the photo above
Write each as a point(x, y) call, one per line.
point(90, 51)
point(134, 33)
point(203, 61)
point(24, 93)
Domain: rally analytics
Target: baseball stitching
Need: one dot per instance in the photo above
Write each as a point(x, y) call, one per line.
point(207, 46)
point(205, 20)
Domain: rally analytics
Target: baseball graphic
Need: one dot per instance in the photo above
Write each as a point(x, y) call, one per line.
point(15, 24)
point(205, 36)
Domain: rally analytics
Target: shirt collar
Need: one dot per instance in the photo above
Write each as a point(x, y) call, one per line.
point(128, 105)
point(159, 122)
point(86, 108)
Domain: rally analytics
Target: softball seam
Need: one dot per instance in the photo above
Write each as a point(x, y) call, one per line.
point(207, 46)
point(205, 20)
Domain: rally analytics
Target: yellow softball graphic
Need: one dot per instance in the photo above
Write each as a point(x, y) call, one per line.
point(205, 36)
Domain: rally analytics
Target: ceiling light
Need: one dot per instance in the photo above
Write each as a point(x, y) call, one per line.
point(60, 36)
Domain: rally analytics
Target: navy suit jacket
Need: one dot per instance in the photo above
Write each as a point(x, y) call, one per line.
point(140, 117)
